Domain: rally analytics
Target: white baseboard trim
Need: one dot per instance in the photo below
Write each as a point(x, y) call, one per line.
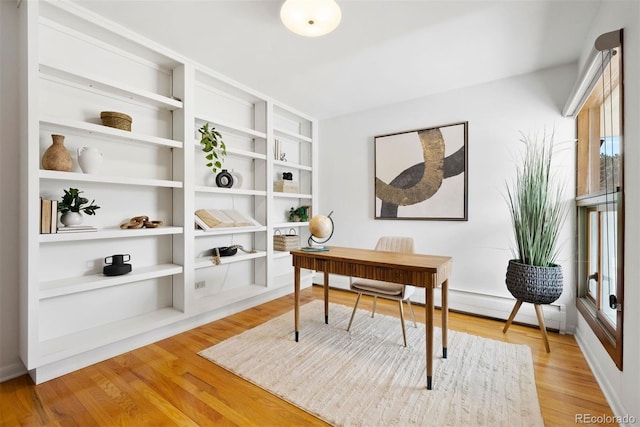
point(590, 347)
point(12, 370)
point(493, 306)
point(57, 369)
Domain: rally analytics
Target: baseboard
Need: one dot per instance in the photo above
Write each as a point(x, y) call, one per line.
point(12, 370)
point(590, 347)
point(491, 306)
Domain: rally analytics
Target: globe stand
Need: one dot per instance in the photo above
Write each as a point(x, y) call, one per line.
point(316, 244)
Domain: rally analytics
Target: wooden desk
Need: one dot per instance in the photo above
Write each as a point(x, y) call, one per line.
point(425, 271)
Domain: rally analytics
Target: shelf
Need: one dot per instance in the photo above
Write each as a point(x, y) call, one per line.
point(229, 230)
point(297, 136)
point(110, 87)
point(223, 126)
point(204, 262)
point(90, 129)
point(230, 191)
point(76, 343)
point(228, 297)
point(291, 224)
point(237, 152)
point(110, 233)
point(292, 165)
point(74, 315)
point(244, 153)
point(291, 195)
point(83, 177)
point(60, 287)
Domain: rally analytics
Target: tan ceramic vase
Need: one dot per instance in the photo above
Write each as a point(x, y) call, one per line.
point(57, 158)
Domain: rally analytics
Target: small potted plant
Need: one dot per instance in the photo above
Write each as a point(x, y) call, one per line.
point(300, 214)
point(72, 204)
point(213, 146)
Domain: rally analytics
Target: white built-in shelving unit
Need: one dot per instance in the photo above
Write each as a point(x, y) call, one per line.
point(76, 65)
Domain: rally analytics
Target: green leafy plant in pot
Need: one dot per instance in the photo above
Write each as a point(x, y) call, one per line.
point(213, 146)
point(72, 204)
point(537, 215)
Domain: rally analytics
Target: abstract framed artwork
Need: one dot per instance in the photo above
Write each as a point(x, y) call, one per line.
point(422, 174)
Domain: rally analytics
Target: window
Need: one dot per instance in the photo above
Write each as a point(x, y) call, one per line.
point(599, 200)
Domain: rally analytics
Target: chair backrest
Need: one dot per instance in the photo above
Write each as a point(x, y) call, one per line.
point(395, 244)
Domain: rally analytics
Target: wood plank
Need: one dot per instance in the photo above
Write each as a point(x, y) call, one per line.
point(167, 383)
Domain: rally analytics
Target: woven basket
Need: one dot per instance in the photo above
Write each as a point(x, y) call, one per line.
point(116, 120)
point(532, 284)
point(286, 242)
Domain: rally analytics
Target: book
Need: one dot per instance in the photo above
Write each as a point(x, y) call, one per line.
point(238, 219)
point(315, 249)
point(77, 229)
point(54, 217)
point(209, 219)
point(45, 216)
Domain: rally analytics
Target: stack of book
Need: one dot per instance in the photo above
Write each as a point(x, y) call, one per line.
point(77, 229)
point(48, 216)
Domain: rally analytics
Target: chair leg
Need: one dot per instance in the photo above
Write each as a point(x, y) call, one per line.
point(413, 316)
point(354, 311)
point(543, 328)
point(373, 310)
point(404, 333)
point(512, 315)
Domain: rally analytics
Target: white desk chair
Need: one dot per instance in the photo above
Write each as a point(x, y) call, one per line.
point(388, 290)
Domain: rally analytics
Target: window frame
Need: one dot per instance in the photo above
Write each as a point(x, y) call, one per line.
point(589, 197)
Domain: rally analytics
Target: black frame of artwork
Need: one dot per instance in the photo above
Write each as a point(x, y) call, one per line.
point(434, 187)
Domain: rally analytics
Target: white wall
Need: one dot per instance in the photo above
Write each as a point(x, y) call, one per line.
point(10, 363)
point(480, 247)
point(622, 388)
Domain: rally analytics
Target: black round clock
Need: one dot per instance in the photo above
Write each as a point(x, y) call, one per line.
point(224, 179)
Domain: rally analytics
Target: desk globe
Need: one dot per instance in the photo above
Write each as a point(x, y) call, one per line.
point(320, 227)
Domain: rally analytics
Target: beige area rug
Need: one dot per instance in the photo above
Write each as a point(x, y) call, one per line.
point(365, 377)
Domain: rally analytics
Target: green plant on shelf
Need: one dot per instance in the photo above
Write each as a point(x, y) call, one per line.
point(300, 214)
point(213, 146)
point(73, 202)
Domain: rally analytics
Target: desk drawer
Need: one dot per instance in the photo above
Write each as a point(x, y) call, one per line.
point(386, 274)
point(346, 268)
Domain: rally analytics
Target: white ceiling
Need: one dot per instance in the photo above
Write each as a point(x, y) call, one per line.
point(383, 51)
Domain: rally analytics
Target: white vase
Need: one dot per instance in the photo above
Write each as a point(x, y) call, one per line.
point(237, 179)
point(71, 218)
point(90, 159)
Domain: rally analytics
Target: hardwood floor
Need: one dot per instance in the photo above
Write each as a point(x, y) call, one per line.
point(167, 383)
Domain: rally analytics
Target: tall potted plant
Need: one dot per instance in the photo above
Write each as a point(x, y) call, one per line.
point(537, 215)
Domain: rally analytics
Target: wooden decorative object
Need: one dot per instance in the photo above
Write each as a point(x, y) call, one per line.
point(116, 120)
point(56, 157)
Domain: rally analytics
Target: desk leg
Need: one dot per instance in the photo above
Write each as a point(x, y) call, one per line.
point(326, 298)
point(296, 297)
point(445, 316)
point(429, 333)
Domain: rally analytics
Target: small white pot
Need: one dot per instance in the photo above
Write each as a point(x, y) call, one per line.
point(71, 218)
point(90, 159)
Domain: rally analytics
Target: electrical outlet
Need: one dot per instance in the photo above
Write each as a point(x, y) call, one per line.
point(200, 285)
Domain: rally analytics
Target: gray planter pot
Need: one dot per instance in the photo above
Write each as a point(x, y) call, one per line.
point(535, 285)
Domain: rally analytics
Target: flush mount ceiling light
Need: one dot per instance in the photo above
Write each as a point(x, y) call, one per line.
point(311, 18)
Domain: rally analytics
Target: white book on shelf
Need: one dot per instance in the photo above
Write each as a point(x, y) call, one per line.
point(77, 229)
point(53, 226)
point(211, 219)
